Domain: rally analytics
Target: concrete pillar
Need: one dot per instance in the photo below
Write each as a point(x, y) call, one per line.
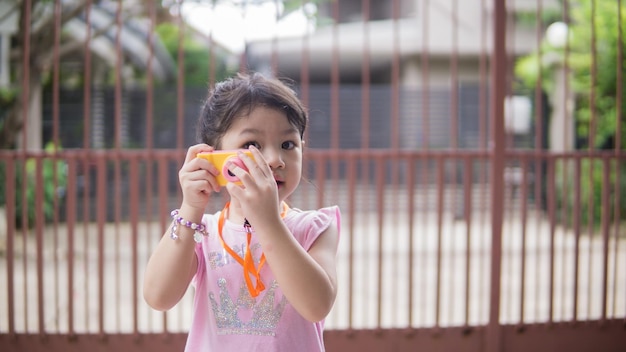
point(562, 133)
point(8, 27)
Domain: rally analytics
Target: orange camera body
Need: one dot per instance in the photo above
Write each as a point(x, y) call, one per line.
point(220, 159)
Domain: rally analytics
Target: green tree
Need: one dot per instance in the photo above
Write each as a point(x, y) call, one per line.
point(591, 57)
point(41, 31)
point(197, 55)
point(581, 62)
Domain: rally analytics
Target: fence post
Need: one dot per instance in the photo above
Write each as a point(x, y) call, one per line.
point(498, 86)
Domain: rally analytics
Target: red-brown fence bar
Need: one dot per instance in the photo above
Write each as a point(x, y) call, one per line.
point(10, 246)
point(618, 142)
point(467, 216)
point(425, 112)
point(101, 217)
point(496, 112)
point(56, 142)
point(71, 249)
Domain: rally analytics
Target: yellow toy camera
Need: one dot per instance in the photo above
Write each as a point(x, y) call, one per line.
point(220, 159)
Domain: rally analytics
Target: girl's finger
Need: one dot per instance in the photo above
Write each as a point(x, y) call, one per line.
point(235, 191)
point(239, 172)
point(258, 164)
point(203, 164)
point(199, 186)
point(195, 164)
point(203, 175)
point(193, 151)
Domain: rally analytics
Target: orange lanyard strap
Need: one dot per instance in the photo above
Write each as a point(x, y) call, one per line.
point(247, 262)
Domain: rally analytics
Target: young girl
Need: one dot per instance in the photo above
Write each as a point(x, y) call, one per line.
point(264, 273)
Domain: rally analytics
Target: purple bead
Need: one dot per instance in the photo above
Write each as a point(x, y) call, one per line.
point(199, 229)
point(173, 234)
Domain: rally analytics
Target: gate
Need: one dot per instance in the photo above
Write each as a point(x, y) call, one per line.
point(476, 214)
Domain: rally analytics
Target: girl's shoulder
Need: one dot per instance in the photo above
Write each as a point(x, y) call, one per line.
point(307, 225)
point(323, 215)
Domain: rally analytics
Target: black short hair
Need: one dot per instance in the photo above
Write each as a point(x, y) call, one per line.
point(238, 96)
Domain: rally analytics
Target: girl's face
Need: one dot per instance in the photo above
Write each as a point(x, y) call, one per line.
point(270, 131)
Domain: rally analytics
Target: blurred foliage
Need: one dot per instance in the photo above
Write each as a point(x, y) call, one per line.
point(595, 94)
point(196, 54)
point(529, 18)
point(591, 209)
point(54, 177)
point(579, 55)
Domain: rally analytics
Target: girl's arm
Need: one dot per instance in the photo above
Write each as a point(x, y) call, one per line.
point(173, 263)
point(307, 279)
point(171, 266)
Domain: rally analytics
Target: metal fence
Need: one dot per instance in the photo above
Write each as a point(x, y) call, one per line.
point(458, 232)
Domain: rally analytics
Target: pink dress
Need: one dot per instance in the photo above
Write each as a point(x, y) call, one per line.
point(227, 317)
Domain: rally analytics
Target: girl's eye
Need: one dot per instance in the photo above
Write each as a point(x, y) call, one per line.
point(288, 145)
point(248, 144)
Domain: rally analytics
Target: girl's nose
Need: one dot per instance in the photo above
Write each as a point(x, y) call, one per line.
point(274, 159)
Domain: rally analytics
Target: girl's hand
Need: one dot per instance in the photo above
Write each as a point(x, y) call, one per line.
point(197, 178)
point(258, 198)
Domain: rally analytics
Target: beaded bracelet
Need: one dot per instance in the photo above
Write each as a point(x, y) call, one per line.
point(199, 229)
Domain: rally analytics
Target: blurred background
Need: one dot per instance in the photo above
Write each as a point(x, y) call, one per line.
point(475, 148)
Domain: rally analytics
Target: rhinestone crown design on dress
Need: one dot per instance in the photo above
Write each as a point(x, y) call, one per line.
point(265, 312)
